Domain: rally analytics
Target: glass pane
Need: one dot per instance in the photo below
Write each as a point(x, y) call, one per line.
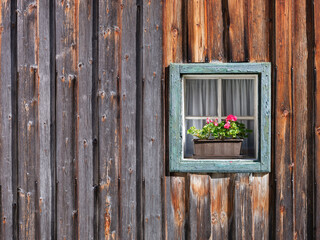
point(237, 97)
point(248, 149)
point(188, 147)
point(201, 97)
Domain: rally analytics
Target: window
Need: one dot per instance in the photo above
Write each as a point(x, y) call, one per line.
point(201, 91)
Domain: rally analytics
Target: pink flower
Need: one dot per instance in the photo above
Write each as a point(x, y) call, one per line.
point(211, 121)
point(231, 118)
point(208, 120)
point(227, 125)
point(216, 124)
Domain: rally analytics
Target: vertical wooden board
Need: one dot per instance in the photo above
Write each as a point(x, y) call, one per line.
point(258, 50)
point(172, 31)
point(300, 120)
point(66, 67)
point(152, 142)
point(6, 194)
point(260, 206)
point(128, 202)
point(84, 116)
point(317, 116)
point(175, 208)
point(175, 198)
point(27, 118)
point(215, 31)
point(44, 122)
point(197, 31)
point(109, 117)
point(199, 207)
point(237, 31)
point(221, 207)
point(258, 30)
point(242, 228)
point(283, 121)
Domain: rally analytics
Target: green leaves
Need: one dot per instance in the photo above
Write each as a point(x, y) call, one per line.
point(222, 130)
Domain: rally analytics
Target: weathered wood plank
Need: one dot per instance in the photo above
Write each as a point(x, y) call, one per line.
point(260, 206)
point(152, 140)
point(44, 121)
point(215, 31)
point(258, 30)
point(317, 116)
point(109, 117)
point(175, 208)
point(84, 119)
point(300, 120)
point(199, 207)
point(221, 206)
point(129, 226)
point(242, 228)
point(197, 31)
point(27, 48)
point(258, 50)
point(66, 119)
point(6, 193)
point(172, 31)
point(237, 45)
point(283, 121)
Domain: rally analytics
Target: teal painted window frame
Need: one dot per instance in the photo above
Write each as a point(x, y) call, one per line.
point(177, 162)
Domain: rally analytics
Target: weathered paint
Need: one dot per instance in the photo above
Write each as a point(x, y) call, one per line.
point(176, 160)
point(124, 174)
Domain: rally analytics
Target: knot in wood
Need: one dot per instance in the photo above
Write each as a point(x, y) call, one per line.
point(285, 113)
point(80, 65)
point(318, 130)
point(214, 218)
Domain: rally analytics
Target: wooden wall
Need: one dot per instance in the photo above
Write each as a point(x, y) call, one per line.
point(83, 119)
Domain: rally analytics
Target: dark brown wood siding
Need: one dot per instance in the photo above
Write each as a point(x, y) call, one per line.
point(83, 119)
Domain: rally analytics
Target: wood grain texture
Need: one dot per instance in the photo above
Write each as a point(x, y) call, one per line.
point(66, 118)
point(260, 206)
point(27, 118)
point(215, 31)
point(258, 30)
point(44, 121)
point(6, 192)
point(152, 140)
point(172, 31)
point(109, 57)
point(283, 122)
point(197, 31)
point(100, 114)
point(242, 228)
point(300, 118)
point(237, 32)
point(128, 206)
point(317, 115)
point(199, 207)
point(221, 197)
point(84, 140)
point(175, 208)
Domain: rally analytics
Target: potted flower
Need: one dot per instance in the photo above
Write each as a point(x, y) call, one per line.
point(219, 139)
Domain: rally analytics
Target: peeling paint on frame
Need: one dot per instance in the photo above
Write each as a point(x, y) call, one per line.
point(177, 162)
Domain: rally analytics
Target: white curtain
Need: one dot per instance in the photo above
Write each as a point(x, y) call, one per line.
point(237, 98)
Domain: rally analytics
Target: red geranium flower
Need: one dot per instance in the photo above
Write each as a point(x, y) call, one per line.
point(231, 118)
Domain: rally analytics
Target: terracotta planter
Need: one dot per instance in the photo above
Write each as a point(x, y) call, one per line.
point(215, 148)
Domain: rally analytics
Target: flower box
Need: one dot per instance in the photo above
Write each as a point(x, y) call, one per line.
point(216, 148)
